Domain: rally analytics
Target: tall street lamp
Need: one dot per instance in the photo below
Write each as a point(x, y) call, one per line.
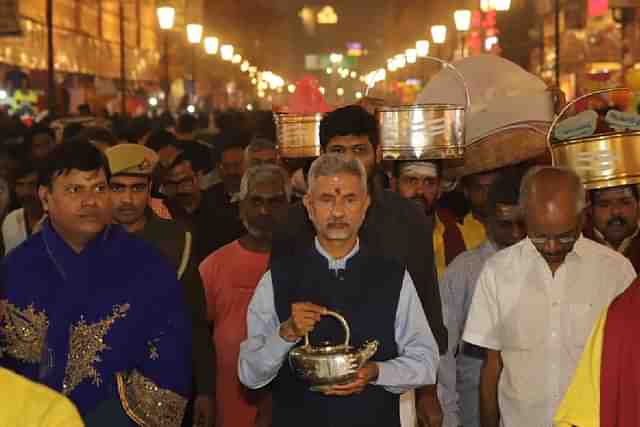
point(166, 20)
point(51, 83)
point(439, 36)
point(194, 36)
point(463, 24)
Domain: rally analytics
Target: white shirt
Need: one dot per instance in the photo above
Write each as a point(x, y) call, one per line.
point(14, 230)
point(540, 322)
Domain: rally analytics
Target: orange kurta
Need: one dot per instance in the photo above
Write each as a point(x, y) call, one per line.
point(230, 276)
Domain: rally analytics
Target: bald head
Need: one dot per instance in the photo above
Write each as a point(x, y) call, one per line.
point(553, 199)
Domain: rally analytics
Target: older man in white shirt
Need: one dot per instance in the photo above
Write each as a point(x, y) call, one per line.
point(536, 302)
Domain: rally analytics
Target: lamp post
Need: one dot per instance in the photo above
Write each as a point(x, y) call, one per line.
point(194, 36)
point(439, 36)
point(166, 19)
point(463, 24)
point(123, 65)
point(51, 83)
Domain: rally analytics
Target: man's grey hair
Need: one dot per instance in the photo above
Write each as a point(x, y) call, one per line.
point(259, 144)
point(260, 174)
point(526, 186)
point(333, 164)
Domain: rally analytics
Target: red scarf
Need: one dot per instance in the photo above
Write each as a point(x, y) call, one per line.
point(620, 372)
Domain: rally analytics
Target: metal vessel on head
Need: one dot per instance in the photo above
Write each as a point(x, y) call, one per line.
point(598, 136)
point(424, 131)
point(298, 134)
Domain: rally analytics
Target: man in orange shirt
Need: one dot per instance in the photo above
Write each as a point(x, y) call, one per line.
point(230, 276)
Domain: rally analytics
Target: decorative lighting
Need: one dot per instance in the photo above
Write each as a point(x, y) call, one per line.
point(321, 89)
point(166, 17)
point(463, 20)
point(329, 70)
point(422, 48)
point(291, 88)
point(244, 67)
point(335, 58)
point(191, 109)
point(340, 91)
point(211, 45)
point(237, 58)
point(353, 75)
point(401, 61)
point(226, 52)
point(327, 16)
point(253, 70)
point(412, 56)
point(486, 5)
point(254, 81)
point(249, 107)
point(3, 94)
point(260, 94)
point(502, 5)
point(358, 95)
point(194, 33)
point(489, 42)
point(153, 101)
point(439, 34)
point(391, 65)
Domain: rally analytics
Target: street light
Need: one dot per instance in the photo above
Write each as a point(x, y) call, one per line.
point(194, 33)
point(463, 24)
point(502, 5)
point(422, 48)
point(226, 52)
point(211, 45)
point(166, 20)
point(439, 34)
point(412, 56)
point(401, 61)
point(463, 20)
point(340, 91)
point(237, 59)
point(166, 17)
point(291, 88)
point(245, 66)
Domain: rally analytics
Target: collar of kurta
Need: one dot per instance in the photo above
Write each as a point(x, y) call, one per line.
point(336, 264)
point(623, 246)
point(61, 254)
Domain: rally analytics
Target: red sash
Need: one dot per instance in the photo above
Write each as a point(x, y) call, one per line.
point(620, 372)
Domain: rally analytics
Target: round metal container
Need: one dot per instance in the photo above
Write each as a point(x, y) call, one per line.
point(424, 131)
point(418, 132)
point(605, 155)
point(298, 134)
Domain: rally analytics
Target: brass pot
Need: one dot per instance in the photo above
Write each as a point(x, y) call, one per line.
point(327, 365)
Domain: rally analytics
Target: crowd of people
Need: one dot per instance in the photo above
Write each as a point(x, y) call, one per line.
point(160, 273)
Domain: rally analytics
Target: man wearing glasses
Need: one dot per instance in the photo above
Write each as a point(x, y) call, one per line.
point(536, 301)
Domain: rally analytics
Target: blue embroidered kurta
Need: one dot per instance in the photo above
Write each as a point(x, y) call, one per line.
point(103, 325)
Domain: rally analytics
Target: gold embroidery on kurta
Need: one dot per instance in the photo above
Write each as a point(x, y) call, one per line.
point(147, 404)
point(23, 331)
point(86, 344)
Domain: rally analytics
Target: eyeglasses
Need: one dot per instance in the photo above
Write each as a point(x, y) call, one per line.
point(563, 240)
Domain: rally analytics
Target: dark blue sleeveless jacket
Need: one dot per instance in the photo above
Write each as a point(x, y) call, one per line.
point(366, 293)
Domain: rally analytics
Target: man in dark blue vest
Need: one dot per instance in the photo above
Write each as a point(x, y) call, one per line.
point(374, 293)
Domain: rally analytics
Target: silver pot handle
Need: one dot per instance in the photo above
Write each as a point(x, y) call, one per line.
point(345, 325)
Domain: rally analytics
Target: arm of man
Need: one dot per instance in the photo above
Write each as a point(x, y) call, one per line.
point(203, 349)
point(268, 341)
point(155, 390)
point(489, 376)
point(417, 360)
point(482, 329)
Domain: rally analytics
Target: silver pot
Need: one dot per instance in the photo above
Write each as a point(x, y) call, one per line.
point(327, 365)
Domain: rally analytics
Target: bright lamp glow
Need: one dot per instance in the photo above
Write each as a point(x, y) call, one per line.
point(166, 17)
point(211, 45)
point(391, 65)
point(3, 94)
point(353, 74)
point(153, 101)
point(439, 34)
point(502, 5)
point(244, 67)
point(329, 70)
point(400, 60)
point(321, 89)
point(412, 56)
point(291, 88)
point(191, 109)
point(335, 58)
point(358, 95)
point(194, 33)
point(226, 52)
point(422, 48)
point(489, 42)
point(236, 59)
point(340, 91)
point(463, 19)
